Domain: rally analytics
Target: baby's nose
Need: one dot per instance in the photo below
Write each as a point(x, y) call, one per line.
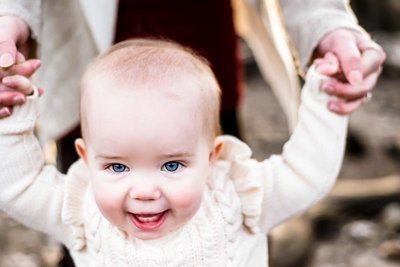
point(145, 189)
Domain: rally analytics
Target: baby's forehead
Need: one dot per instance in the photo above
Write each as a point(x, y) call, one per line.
point(183, 86)
point(107, 91)
point(119, 104)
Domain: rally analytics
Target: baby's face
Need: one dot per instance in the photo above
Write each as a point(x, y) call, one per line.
point(148, 158)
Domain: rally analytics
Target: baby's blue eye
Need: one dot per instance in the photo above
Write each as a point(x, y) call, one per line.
point(117, 167)
point(171, 166)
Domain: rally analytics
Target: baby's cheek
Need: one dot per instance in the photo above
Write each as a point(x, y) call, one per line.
point(108, 201)
point(187, 200)
point(187, 197)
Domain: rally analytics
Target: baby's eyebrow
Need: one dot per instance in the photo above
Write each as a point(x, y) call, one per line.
point(108, 157)
point(166, 155)
point(178, 155)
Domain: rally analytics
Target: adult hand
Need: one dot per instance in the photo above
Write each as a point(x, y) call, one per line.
point(14, 33)
point(354, 62)
point(12, 88)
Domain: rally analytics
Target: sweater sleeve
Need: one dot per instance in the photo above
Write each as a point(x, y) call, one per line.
point(307, 21)
point(310, 162)
point(28, 10)
point(30, 191)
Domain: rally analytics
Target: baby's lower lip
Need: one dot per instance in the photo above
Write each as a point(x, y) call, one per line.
point(148, 222)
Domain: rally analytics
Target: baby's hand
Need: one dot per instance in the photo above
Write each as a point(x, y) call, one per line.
point(15, 85)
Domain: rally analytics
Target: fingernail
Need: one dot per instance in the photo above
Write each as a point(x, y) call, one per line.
point(4, 112)
point(355, 77)
point(18, 99)
point(6, 60)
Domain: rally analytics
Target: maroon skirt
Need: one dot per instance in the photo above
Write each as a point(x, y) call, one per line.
point(204, 25)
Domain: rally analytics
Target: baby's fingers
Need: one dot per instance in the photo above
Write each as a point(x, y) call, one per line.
point(343, 107)
point(328, 65)
point(19, 83)
point(9, 98)
point(5, 112)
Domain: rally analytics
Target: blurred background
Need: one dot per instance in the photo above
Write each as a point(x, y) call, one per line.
point(358, 224)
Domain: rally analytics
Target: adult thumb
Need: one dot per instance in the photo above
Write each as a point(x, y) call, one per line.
point(8, 53)
point(350, 59)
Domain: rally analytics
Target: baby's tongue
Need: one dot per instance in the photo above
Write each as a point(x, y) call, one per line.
point(147, 218)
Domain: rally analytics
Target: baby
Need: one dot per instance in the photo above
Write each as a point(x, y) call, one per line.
point(157, 185)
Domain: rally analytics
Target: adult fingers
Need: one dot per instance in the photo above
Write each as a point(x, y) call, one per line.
point(19, 83)
point(26, 68)
point(372, 60)
point(349, 57)
point(8, 53)
point(348, 91)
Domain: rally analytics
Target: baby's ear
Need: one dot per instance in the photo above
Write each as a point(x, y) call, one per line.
point(214, 154)
point(80, 149)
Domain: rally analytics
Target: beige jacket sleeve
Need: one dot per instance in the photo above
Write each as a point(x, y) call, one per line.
point(307, 21)
point(28, 10)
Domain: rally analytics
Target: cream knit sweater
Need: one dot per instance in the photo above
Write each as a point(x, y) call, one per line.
point(244, 198)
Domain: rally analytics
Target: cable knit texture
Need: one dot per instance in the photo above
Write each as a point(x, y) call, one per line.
point(243, 199)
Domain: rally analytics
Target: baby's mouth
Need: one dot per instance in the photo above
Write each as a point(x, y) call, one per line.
point(150, 221)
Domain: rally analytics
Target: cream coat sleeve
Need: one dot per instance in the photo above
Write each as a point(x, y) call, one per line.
point(310, 162)
point(30, 191)
point(307, 21)
point(28, 10)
